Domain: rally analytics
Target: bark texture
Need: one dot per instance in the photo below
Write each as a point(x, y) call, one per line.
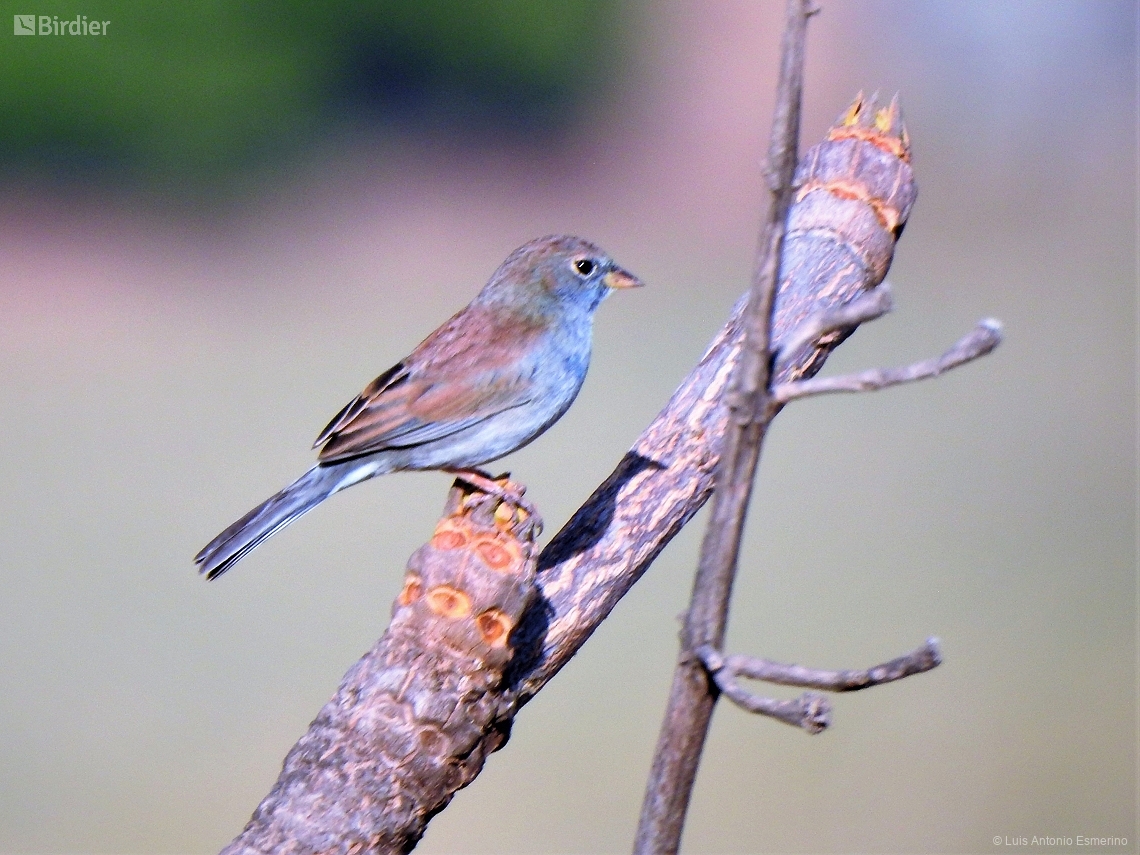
point(414, 719)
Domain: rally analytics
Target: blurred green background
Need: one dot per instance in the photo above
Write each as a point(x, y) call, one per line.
point(219, 221)
point(188, 96)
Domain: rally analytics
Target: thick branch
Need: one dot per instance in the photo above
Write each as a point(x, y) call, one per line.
point(412, 721)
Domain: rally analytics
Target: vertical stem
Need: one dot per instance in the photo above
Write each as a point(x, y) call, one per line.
point(693, 695)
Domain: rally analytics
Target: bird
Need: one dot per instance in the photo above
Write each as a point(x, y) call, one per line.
point(487, 382)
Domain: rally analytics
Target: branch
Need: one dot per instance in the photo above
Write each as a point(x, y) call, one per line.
point(809, 711)
point(977, 343)
point(922, 659)
point(412, 721)
point(868, 306)
point(690, 705)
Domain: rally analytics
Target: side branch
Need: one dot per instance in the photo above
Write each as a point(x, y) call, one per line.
point(868, 306)
point(810, 711)
point(917, 661)
point(977, 343)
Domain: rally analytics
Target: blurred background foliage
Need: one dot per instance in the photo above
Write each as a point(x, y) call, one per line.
point(188, 95)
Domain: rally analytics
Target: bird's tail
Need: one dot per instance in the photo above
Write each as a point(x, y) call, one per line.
point(274, 514)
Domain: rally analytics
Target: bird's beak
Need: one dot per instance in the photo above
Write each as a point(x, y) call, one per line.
point(619, 278)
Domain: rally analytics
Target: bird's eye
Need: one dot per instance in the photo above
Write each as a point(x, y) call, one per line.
point(584, 266)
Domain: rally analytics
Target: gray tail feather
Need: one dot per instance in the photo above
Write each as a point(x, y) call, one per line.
point(268, 518)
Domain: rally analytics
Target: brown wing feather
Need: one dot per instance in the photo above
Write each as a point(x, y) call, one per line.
point(463, 373)
point(353, 408)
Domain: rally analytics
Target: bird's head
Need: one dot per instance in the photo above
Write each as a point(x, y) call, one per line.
point(557, 271)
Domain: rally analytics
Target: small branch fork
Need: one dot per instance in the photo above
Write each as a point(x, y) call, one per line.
point(981, 340)
point(865, 306)
point(810, 711)
point(869, 306)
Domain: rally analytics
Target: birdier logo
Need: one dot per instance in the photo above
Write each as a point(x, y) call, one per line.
point(51, 25)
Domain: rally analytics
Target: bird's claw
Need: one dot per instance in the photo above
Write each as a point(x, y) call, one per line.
point(502, 488)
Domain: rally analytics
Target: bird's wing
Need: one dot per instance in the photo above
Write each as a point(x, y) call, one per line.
point(466, 371)
point(392, 377)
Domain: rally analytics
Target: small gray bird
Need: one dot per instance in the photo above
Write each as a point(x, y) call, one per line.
point(487, 382)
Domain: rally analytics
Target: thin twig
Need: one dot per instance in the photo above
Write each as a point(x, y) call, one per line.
point(729, 668)
point(866, 306)
point(977, 343)
point(691, 698)
point(810, 711)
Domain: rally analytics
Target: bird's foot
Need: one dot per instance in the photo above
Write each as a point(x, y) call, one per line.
point(502, 488)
